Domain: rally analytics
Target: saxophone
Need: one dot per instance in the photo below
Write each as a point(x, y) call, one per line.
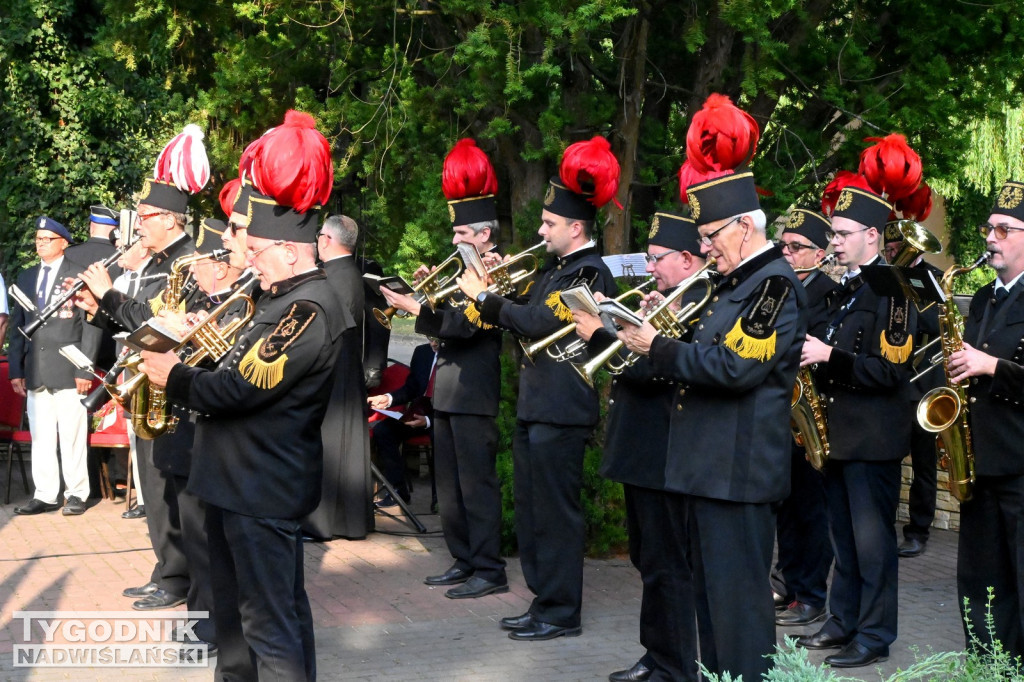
point(943, 410)
point(810, 427)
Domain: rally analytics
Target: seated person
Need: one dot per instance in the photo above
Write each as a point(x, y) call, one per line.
point(389, 434)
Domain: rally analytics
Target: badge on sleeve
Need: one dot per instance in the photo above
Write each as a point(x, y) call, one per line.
point(896, 341)
point(263, 365)
point(588, 275)
point(753, 335)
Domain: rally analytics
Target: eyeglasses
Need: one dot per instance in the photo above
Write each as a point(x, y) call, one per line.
point(139, 217)
point(795, 247)
point(656, 257)
point(252, 255)
point(1002, 229)
point(705, 239)
point(321, 233)
point(840, 237)
point(47, 240)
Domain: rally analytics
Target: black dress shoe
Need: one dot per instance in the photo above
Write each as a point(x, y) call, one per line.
point(799, 613)
point(911, 547)
point(781, 601)
point(36, 507)
point(476, 587)
point(854, 655)
point(517, 622)
point(538, 631)
point(385, 501)
point(638, 672)
point(139, 592)
point(820, 640)
point(453, 576)
point(138, 512)
point(73, 506)
point(160, 599)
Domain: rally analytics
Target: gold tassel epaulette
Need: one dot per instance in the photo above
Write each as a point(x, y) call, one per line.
point(896, 354)
point(259, 372)
point(561, 311)
point(753, 336)
point(473, 315)
point(896, 341)
point(747, 346)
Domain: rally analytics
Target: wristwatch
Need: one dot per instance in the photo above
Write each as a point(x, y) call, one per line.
point(481, 297)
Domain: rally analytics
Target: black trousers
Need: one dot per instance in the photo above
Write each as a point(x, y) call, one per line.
point(805, 551)
point(658, 548)
point(264, 623)
point(548, 479)
point(468, 494)
point(923, 460)
point(731, 555)
point(991, 554)
point(192, 524)
point(163, 520)
point(862, 499)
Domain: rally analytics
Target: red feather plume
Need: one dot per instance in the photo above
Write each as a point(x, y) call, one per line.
point(227, 195)
point(292, 163)
point(842, 180)
point(590, 167)
point(721, 137)
point(183, 161)
point(467, 172)
point(918, 205)
point(689, 176)
point(891, 167)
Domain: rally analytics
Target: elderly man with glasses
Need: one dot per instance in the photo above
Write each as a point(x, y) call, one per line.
point(991, 553)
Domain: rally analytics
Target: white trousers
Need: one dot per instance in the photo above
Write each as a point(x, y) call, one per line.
point(54, 415)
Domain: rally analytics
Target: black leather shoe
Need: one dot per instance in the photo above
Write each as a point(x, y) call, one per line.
point(385, 501)
point(453, 576)
point(139, 592)
point(799, 613)
point(138, 512)
point(635, 674)
point(855, 655)
point(517, 622)
point(538, 632)
point(160, 599)
point(911, 547)
point(36, 507)
point(820, 640)
point(476, 587)
point(73, 506)
point(781, 601)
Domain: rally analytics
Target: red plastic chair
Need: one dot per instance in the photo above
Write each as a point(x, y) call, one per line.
point(12, 431)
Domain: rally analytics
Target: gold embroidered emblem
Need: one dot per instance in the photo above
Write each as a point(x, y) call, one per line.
point(844, 201)
point(451, 213)
point(655, 224)
point(694, 206)
point(795, 220)
point(1010, 197)
point(549, 197)
point(287, 328)
point(768, 305)
point(147, 187)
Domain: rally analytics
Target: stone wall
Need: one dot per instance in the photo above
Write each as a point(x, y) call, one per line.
point(947, 508)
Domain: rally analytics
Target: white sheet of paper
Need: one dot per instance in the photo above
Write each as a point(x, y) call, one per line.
point(389, 413)
point(626, 264)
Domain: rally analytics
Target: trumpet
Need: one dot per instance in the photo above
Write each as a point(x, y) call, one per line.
point(504, 278)
point(663, 318)
point(532, 350)
point(426, 290)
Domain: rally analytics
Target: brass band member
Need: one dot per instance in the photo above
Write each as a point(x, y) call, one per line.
point(557, 411)
point(863, 367)
point(992, 523)
point(635, 452)
point(800, 577)
point(729, 436)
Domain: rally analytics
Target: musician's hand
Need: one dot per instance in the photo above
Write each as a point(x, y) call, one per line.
point(19, 387)
point(586, 324)
point(638, 339)
point(653, 300)
point(815, 350)
point(157, 366)
point(401, 301)
point(175, 320)
point(97, 279)
point(471, 284)
point(83, 386)
point(421, 272)
point(417, 422)
point(379, 402)
point(491, 259)
point(970, 362)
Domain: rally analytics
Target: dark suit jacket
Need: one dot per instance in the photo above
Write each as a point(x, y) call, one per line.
point(997, 402)
point(37, 361)
point(419, 376)
point(93, 250)
point(376, 336)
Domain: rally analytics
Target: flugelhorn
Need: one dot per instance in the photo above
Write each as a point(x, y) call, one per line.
point(426, 288)
point(504, 276)
point(533, 349)
point(666, 321)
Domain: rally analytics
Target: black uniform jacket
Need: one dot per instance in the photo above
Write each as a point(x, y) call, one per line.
point(261, 410)
point(996, 403)
point(552, 392)
point(418, 378)
point(37, 361)
point(639, 412)
point(864, 382)
point(468, 379)
point(729, 437)
point(821, 289)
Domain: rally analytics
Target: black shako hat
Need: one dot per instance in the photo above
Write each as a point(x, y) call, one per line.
point(723, 197)
point(810, 224)
point(562, 201)
point(208, 238)
point(862, 206)
point(472, 210)
point(1010, 200)
point(270, 220)
point(674, 231)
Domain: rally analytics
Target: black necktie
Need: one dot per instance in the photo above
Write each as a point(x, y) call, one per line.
point(1001, 295)
point(42, 292)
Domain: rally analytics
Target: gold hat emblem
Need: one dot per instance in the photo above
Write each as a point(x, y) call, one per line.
point(549, 197)
point(795, 220)
point(147, 187)
point(1010, 197)
point(694, 206)
point(655, 224)
point(451, 213)
point(844, 201)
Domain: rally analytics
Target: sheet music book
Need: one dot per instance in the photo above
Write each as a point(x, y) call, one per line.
point(581, 298)
point(392, 282)
point(471, 259)
point(627, 264)
point(917, 284)
point(153, 336)
point(619, 312)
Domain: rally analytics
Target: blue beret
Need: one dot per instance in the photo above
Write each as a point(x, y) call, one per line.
point(103, 215)
point(45, 223)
